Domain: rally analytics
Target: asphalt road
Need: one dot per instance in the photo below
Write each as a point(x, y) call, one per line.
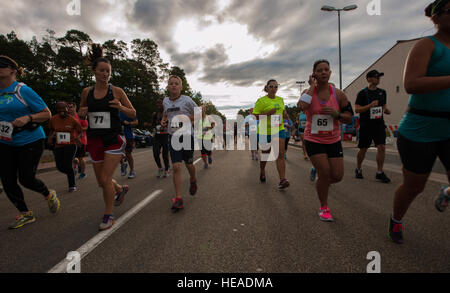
point(233, 225)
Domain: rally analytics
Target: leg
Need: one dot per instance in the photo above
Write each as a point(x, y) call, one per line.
point(381, 154)
point(106, 180)
point(177, 178)
point(281, 163)
point(360, 157)
point(322, 165)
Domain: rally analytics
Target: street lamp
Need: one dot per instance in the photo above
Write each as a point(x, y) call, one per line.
point(346, 8)
point(301, 84)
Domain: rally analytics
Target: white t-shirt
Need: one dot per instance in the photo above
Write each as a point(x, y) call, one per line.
point(184, 105)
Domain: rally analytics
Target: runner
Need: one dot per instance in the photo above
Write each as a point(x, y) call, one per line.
point(174, 106)
point(79, 161)
point(371, 104)
point(272, 107)
point(253, 134)
point(21, 141)
point(160, 140)
point(102, 104)
point(205, 136)
point(289, 126)
point(424, 132)
point(128, 124)
point(67, 133)
point(325, 107)
point(301, 130)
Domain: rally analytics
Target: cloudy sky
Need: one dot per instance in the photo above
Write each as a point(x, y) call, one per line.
point(230, 48)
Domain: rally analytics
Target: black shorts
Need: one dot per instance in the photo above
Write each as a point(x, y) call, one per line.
point(369, 133)
point(331, 150)
point(81, 151)
point(185, 154)
point(419, 157)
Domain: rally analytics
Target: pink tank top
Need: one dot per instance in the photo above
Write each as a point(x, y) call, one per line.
point(322, 132)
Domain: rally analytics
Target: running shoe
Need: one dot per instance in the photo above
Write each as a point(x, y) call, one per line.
point(132, 175)
point(73, 189)
point(177, 204)
point(22, 219)
point(441, 202)
point(107, 222)
point(82, 176)
point(358, 174)
point(283, 184)
point(382, 177)
point(395, 231)
point(325, 215)
point(166, 173)
point(160, 173)
point(123, 169)
point(262, 178)
point(121, 195)
point(53, 202)
point(193, 188)
point(312, 175)
point(210, 160)
point(205, 166)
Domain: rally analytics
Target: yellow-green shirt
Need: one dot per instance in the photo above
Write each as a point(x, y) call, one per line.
point(206, 135)
point(264, 105)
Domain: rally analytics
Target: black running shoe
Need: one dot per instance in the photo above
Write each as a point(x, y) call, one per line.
point(395, 232)
point(383, 178)
point(178, 204)
point(358, 174)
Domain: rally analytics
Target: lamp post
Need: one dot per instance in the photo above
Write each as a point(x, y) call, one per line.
point(346, 8)
point(301, 84)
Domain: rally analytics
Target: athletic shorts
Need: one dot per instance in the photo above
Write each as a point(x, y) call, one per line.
point(419, 157)
point(130, 145)
point(205, 144)
point(301, 130)
point(375, 133)
point(99, 146)
point(263, 139)
point(331, 150)
point(81, 151)
point(186, 155)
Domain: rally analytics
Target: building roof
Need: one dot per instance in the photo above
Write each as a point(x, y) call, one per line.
point(396, 44)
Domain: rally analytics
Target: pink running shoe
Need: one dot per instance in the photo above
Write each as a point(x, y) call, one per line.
point(325, 214)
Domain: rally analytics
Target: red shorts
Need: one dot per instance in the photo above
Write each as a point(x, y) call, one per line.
point(97, 148)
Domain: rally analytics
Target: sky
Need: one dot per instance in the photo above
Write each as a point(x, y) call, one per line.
point(229, 49)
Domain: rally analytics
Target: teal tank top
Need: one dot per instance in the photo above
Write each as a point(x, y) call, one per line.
point(430, 129)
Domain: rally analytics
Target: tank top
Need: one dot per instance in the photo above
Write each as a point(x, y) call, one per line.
point(103, 120)
point(323, 129)
point(430, 129)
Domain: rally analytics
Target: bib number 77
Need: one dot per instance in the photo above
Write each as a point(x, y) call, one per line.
point(99, 120)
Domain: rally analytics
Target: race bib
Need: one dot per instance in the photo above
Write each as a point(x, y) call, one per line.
point(100, 120)
point(276, 120)
point(6, 130)
point(62, 138)
point(322, 124)
point(376, 113)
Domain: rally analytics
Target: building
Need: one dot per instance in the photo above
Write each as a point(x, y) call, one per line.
point(392, 64)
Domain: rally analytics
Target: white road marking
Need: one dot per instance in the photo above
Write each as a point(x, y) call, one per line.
point(89, 246)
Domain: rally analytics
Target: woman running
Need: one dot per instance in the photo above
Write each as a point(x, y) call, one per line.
point(272, 107)
point(301, 130)
point(102, 104)
point(79, 162)
point(205, 137)
point(160, 140)
point(22, 141)
point(177, 107)
point(325, 108)
point(67, 131)
point(424, 132)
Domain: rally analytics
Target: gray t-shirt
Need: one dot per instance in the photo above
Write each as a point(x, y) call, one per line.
point(184, 105)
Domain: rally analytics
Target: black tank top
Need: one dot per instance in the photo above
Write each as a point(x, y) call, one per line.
point(97, 114)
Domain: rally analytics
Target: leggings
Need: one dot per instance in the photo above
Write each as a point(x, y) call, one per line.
point(20, 162)
point(161, 141)
point(64, 158)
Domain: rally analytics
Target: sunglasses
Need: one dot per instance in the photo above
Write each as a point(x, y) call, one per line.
point(273, 86)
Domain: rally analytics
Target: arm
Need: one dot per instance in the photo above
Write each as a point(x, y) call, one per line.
point(346, 116)
point(415, 79)
point(82, 112)
point(122, 103)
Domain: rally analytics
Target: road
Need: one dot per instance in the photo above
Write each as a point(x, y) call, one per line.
point(233, 225)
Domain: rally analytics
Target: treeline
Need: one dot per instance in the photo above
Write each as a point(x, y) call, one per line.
point(57, 69)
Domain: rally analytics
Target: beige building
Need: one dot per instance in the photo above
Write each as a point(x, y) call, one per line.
point(392, 64)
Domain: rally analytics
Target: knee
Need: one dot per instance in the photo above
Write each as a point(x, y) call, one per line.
point(416, 188)
point(336, 178)
point(381, 149)
point(176, 167)
point(26, 182)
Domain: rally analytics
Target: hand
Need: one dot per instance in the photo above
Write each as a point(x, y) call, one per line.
point(164, 123)
point(126, 122)
point(21, 121)
point(272, 112)
point(374, 104)
point(329, 111)
point(82, 112)
point(312, 81)
point(387, 111)
point(115, 103)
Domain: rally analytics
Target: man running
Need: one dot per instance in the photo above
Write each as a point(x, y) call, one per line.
point(371, 104)
point(160, 140)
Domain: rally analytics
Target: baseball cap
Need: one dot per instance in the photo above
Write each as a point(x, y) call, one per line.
point(374, 73)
